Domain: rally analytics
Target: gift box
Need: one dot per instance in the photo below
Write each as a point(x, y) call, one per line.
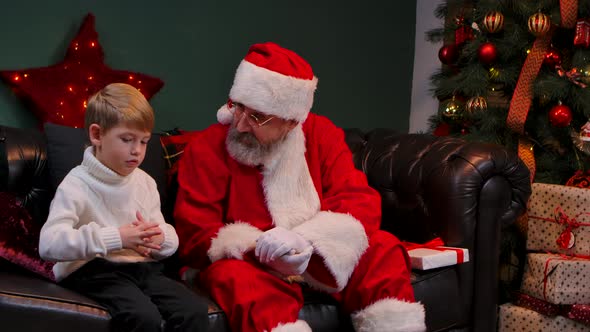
point(582, 35)
point(437, 256)
point(577, 312)
point(557, 219)
point(513, 318)
point(433, 254)
point(557, 279)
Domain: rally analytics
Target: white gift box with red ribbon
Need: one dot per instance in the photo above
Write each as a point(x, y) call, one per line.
point(432, 255)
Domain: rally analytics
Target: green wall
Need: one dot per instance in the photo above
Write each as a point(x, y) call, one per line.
point(362, 52)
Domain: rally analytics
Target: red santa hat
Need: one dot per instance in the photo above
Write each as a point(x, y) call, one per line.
point(272, 80)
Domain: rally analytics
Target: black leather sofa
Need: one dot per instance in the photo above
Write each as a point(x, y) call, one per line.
point(430, 186)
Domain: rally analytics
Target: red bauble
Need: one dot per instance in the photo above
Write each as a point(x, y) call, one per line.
point(560, 116)
point(448, 54)
point(552, 58)
point(443, 129)
point(58, 93)
point(487, 53)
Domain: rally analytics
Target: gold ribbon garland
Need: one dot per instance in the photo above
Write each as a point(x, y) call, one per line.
point(523, 93)
point(569, 13)
point(522, 98)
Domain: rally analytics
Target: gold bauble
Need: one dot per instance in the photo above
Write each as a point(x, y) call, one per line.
point(539, 24)
point(476, 104)
point(493, 72)
point(493, 21)
point(585, 73)
point(451, 109)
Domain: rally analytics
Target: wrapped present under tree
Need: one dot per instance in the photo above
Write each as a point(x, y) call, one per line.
point(558, 279)
point(558, 219)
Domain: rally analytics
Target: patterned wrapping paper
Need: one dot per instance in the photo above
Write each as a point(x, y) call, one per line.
point(577, 312)
point(543, 307)
point(544, 229)
point(580, 312)
point(567, 282)
point(513, 318)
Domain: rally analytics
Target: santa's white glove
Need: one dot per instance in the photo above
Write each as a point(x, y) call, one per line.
point(292, 264)
point(277, 242)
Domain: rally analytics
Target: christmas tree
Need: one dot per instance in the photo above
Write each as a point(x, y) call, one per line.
point(517, 73)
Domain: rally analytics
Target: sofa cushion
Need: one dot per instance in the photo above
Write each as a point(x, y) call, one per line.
point(65, 149)
point(29, 303)
point(19, 237)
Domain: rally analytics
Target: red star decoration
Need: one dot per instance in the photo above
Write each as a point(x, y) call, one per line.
point(58, 93)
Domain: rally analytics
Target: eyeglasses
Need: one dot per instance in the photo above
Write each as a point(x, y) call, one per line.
point(259, 120)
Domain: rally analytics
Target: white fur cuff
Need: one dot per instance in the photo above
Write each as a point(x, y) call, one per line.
point(390, 315)
point(233, 240)
point(298, 326)
point(341, 241)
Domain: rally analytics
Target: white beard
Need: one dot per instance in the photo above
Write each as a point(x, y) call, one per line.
point(245, 148)
point(290, 195)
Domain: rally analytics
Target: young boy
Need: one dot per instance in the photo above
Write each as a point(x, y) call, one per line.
point(105, 228)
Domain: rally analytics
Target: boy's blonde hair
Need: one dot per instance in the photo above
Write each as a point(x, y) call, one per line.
point(119, 103)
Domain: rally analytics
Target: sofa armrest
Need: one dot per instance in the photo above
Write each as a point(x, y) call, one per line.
point(463, 192)
point(436, 186)
point(23, 171)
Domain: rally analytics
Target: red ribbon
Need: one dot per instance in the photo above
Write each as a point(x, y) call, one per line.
point(538, 305)
point(435, 244)
point(571, 223)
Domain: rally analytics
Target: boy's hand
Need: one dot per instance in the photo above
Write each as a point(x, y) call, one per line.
point(135, 236)
point(155, 239)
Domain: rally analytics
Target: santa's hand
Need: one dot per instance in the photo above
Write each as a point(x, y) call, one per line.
point(292, 264)
point(277, 242)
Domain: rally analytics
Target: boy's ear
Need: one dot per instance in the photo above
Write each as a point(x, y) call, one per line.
point(94, 133)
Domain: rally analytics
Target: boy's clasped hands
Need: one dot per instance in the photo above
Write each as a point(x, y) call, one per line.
point(141, 236)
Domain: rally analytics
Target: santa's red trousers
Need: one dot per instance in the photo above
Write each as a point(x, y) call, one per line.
point(255, 300)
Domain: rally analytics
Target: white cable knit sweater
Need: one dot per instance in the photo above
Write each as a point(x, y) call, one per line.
point(89, 206)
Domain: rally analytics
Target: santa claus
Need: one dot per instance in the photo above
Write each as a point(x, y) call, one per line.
point(271, 192)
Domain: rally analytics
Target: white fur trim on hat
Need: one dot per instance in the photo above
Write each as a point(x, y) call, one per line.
point(224, 115)
point(298, 326)
point(341, 241)
point(233, 241)
point(390, 315)
point(272, 93)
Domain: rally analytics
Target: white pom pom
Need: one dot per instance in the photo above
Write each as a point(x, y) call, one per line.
point(224, 116)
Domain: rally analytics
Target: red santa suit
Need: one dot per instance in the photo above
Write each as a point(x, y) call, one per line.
point(309, 186)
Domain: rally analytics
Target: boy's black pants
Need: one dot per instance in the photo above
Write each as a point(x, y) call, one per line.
point(139, 297)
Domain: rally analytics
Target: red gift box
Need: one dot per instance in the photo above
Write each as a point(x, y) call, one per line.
point(582, 36)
